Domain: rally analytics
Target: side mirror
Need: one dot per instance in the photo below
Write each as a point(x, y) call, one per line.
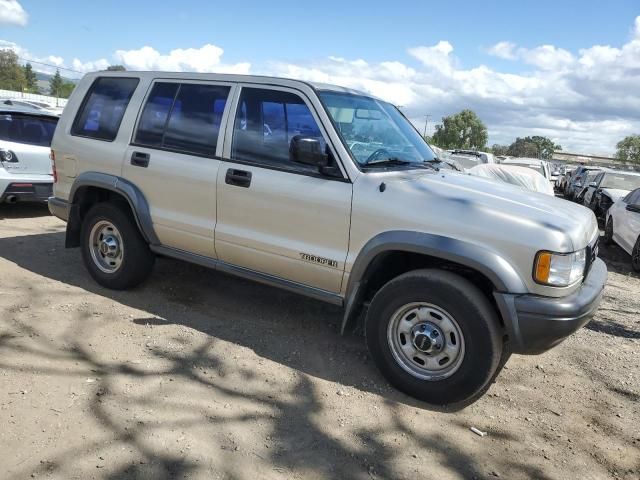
point(308, 151)
point(633, 208)
point(593, 184)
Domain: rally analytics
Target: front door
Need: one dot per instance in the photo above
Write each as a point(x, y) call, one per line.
point(276, 216)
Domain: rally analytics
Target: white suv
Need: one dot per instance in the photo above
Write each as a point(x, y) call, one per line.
point(333, 194)
point(25, 144)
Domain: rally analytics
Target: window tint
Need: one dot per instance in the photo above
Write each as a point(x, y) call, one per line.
point(32, 130)
point(184, 117)
point(155, 113)
point(103, 108)
point(266, 121)
point(194, 123)
point(634, 198)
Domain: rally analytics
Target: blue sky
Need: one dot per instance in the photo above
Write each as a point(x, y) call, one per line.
point(521, 65)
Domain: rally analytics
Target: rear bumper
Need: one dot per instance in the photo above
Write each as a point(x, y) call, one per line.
point(536, 324)
point(24, 191)
point(59, 208)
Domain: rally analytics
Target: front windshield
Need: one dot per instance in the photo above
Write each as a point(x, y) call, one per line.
point(620, 181)
point(375, 131)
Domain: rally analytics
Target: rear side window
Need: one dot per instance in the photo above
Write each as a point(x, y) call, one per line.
point(183, 117)
point(103, 108)
point(28, 129)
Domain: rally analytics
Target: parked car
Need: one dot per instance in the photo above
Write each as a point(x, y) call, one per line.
point(536, 164)
point(25, 166)
point(470, 158)
point(623, 226)
point(564, 178)
point(29, 105)
point(522, 177)
point(448, 273)
point(607, 188)
point(586, 180)
point(575, 182)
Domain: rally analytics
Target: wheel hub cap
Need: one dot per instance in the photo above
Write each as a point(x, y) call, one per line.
point(427, 338)
point(106, 246)
point(110, 247)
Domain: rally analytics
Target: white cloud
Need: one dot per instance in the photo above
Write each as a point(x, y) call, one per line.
point(504, 50)
point(12, 13)
point(204, 59)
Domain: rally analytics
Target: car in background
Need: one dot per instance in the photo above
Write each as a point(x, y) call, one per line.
point(607, 188)
point(574, 184)
point(587, 180)
point(522, 177)
point(540, 166)
point(25, 143)
point(470, 158)
point(623, 226)
point(29, 105)
point(564, 178)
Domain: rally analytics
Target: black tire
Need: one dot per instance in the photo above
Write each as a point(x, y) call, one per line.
point(635, 256)
point(608, 232)
point(136, 261)
point(477, 321)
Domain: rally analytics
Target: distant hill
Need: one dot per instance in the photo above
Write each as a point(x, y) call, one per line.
point(43, 81)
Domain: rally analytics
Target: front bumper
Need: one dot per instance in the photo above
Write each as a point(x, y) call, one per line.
point(536, 324)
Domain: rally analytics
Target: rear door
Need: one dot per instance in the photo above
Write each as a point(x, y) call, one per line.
point(25, 142)
point(173, 159)
point(276, 216)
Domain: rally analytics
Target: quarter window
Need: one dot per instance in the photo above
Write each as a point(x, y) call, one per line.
point(266, 121)
point(103, 108)
point(183, 117)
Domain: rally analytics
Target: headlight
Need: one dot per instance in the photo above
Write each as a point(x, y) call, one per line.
point(559, 269)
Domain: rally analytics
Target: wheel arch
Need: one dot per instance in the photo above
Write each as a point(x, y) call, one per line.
point(390, 254)
point(92, 187)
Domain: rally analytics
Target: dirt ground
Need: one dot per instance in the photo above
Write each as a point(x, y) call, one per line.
point(200, 375)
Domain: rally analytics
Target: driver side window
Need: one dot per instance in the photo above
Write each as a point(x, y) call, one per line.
point(266, 122)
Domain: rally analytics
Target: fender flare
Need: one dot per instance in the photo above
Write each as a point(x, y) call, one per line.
point(499, 271)
point(131, 193)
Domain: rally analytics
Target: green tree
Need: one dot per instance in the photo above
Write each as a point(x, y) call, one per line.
point(11, 73)
point(55, 84)
point(628, 149)
point(66, 89)
point(31, 82)
point(499, 149)
point(462, 130)
point(533, 147)
point(116, 68)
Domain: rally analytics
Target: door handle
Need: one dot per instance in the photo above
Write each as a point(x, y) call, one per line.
point(239, 178)
point(140, 159)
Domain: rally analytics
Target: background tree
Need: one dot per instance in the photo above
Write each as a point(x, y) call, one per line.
point(533, 147)
point(462, 130)
point(499, 149)
point(31, 82)
point(116, 68)
point(11, 73)
point(629, 149)
point(55, 84)
point(66, 89)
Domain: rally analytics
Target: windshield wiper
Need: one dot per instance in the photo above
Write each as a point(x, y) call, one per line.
point(439, 160)
point(393, 161)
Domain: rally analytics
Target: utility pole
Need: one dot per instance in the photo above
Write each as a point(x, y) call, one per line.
point(426, 122)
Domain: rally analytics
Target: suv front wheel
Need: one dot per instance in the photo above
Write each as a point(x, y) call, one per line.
point(113, 250)
point(435, 336)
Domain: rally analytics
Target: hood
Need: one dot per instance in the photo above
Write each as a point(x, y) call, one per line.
point(488, 206)
point(615, 193)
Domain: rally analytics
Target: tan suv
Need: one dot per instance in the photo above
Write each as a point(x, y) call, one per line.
point(333, 194)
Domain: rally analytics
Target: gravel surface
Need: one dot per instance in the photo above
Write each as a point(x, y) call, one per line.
point(201, 375)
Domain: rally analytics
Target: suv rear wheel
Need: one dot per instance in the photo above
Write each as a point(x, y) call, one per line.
point(113, 250)
point(435, 336)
